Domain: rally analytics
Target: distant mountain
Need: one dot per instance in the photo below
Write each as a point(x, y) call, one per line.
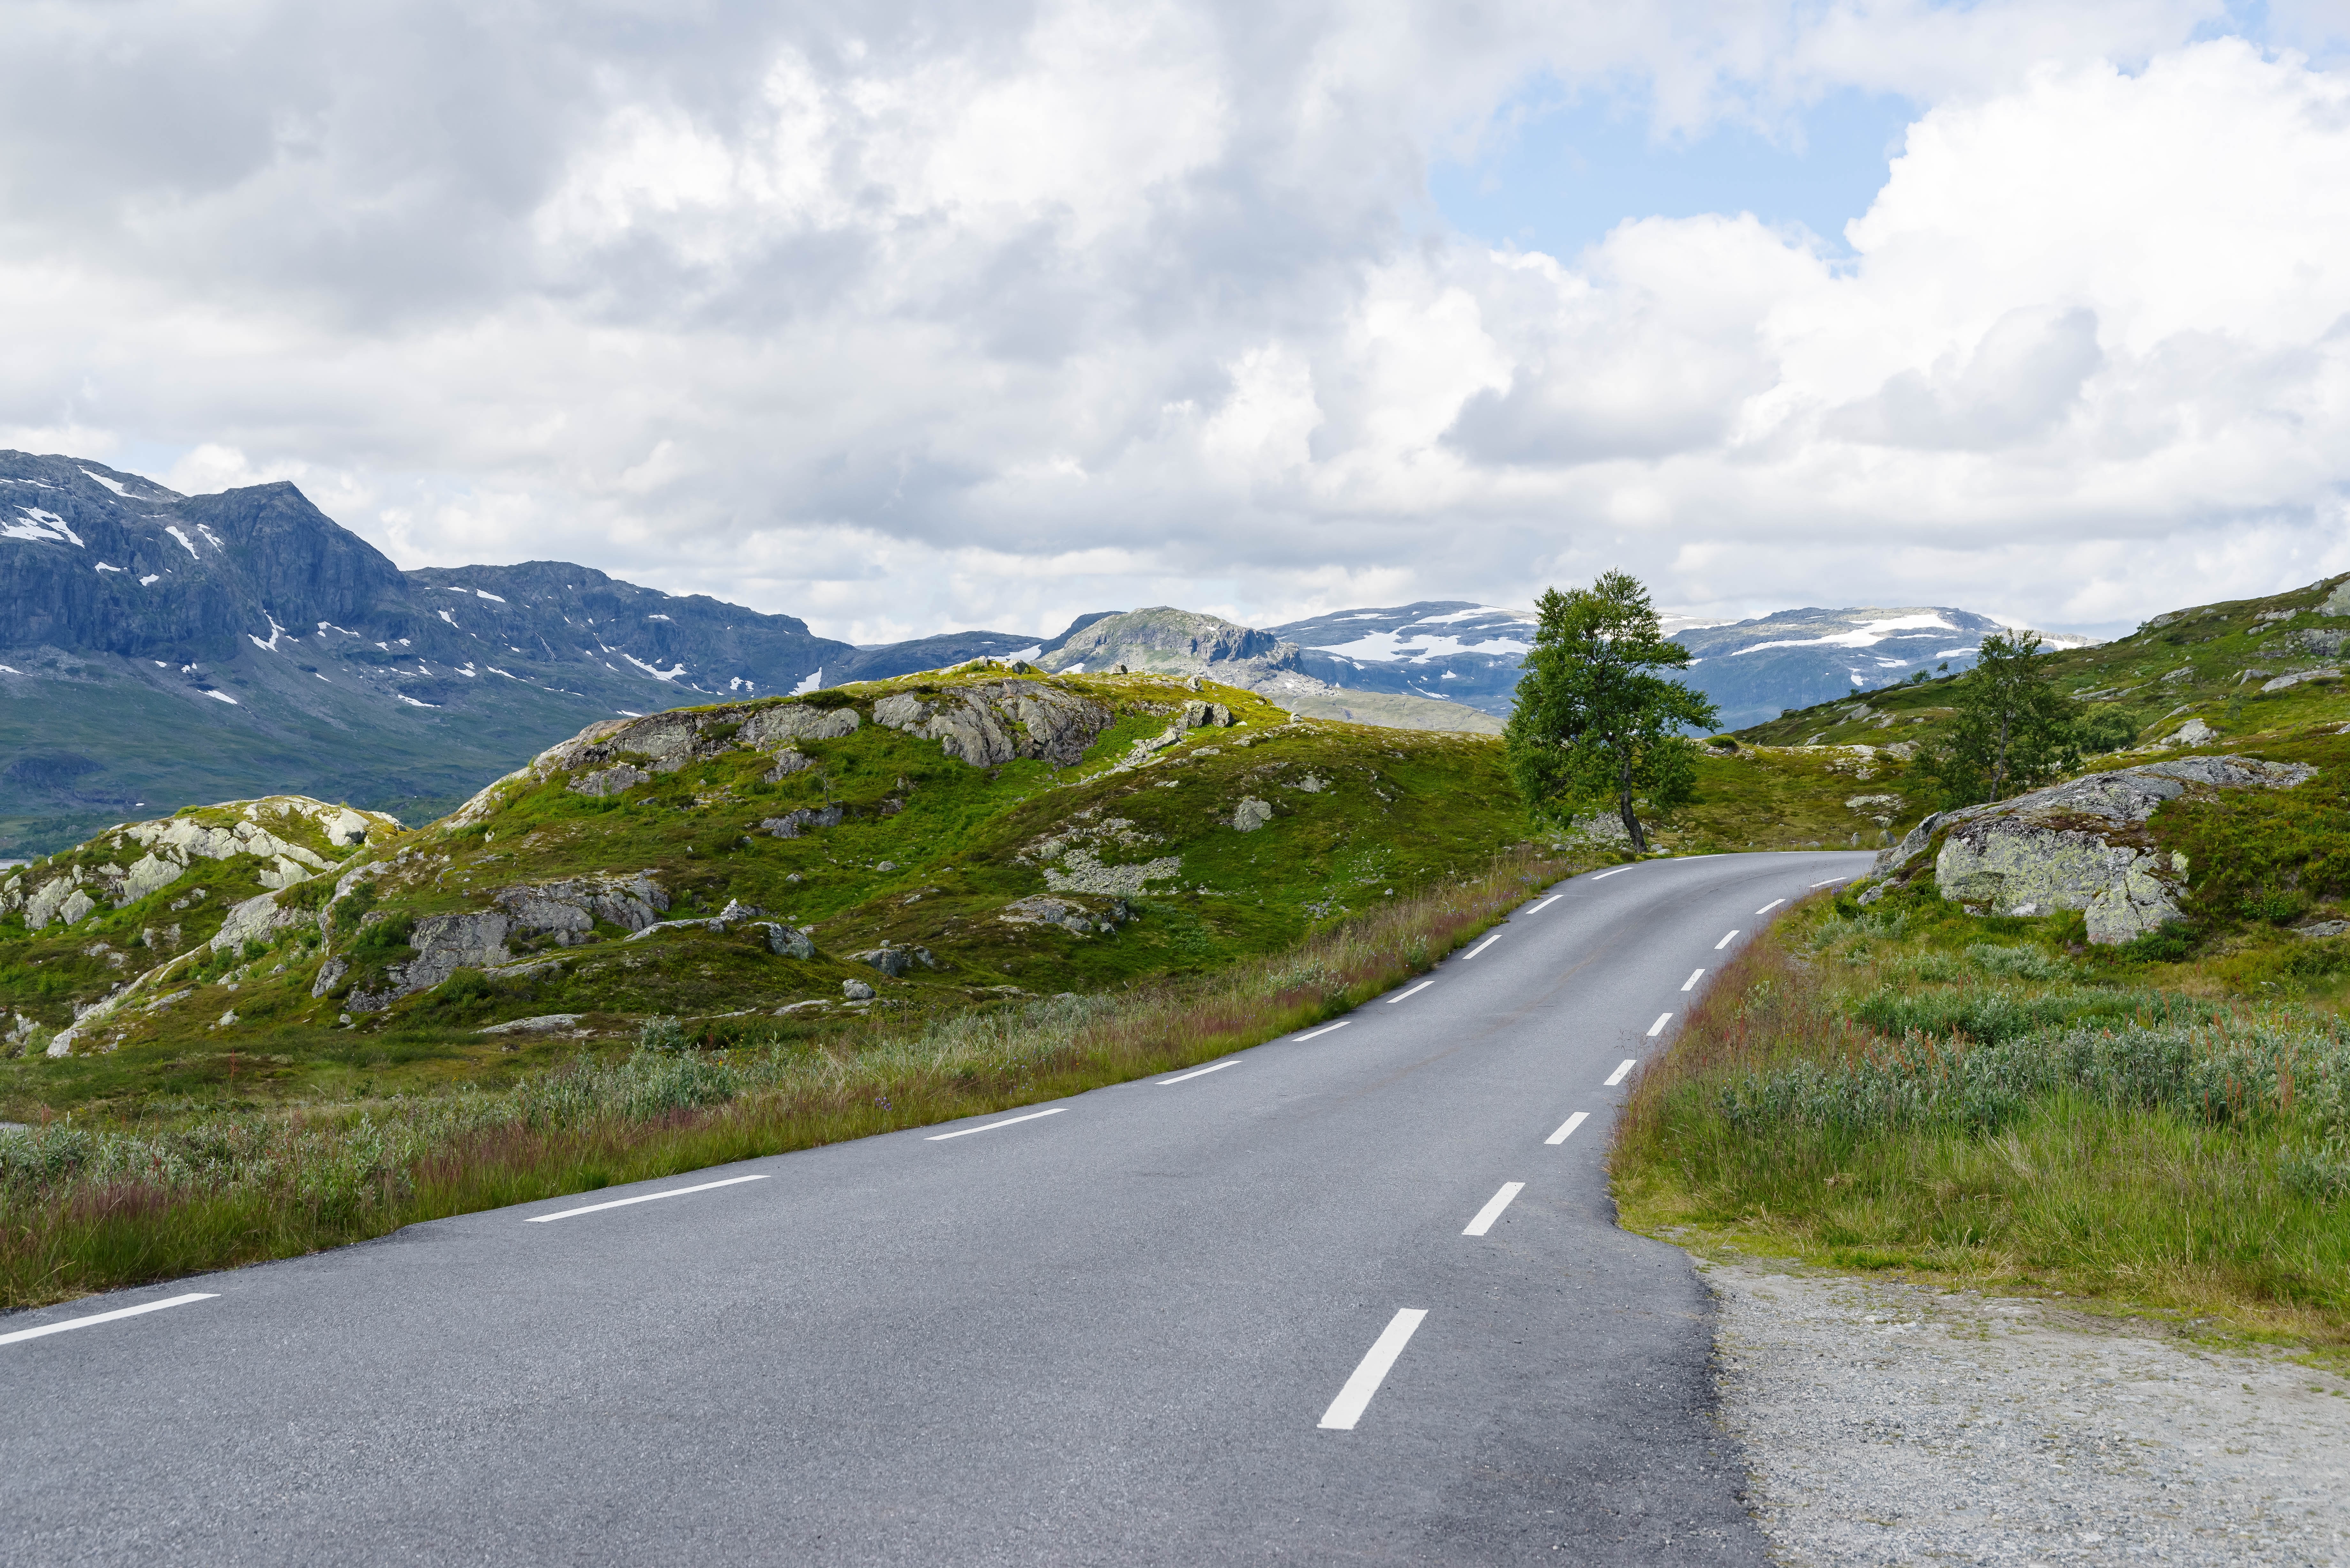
point(1753, 669)
point(1449, 649)
point(160, 648)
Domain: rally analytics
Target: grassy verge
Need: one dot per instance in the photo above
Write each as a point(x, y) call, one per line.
point(1889, 1090)
point(84, 1210)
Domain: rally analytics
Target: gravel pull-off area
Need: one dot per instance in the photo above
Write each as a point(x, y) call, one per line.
point(1890, 1423)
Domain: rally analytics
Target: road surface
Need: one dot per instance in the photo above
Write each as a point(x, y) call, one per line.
point(1354, 1296)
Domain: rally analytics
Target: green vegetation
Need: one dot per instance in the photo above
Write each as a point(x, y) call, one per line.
point(1993, 1103)
point(88, 1204)
point(2012, 732)
point(1590, 723)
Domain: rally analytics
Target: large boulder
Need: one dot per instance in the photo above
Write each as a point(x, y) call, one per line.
point(2081, 844)
point(990, 724)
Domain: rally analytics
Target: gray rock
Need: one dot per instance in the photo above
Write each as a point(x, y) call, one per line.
point(545, 1023)
point(1251, 814)
point(891, 961)
point(570, 909)
point(330, 975)
point(2325, 642)
point(2338, 601)
point(771, 727)
point(788, 762)
point(855, 990)
point(2081, 844)
point(254, 919)
point(992, 723)
point(2296, 677)
point(613, 779)
point(786, 941)
point(2322, 929)
point(792, 824)
point(2194, 732)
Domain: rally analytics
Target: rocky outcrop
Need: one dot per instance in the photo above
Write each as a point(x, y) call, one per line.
point(570, 910)
point(792, 824)
point(2082, 844)
point(992, 723)
point(444, 944)
point(1043, 909)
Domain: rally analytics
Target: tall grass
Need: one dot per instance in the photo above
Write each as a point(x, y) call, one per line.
point(2155, 1150)
point(84, 1208)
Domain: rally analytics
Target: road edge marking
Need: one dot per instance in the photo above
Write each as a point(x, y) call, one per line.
point(641, 1198)
point(1480, 947)
point(1354, 1397)
point(1406, 995)
point(94, 1319)
point(1616, 1076)
point(966, 1132)
point(1199, 1072)
point(1317, 1033)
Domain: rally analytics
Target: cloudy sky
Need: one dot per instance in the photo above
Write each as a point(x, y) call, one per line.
point(907, 317)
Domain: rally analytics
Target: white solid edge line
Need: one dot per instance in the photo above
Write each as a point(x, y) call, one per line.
point(1658, 1026)
point(1603, 876)
point(1480, 947)
point(1546, 904)
point(1356, 1396)
point(1770, 906)
point(1415, 990)
point(98, 1317)
point(1831, 881)
point(1725, 941)
point(1567, 1127)
point(642, 1197)
point(1493, 1207)
point(966, 1132)
point(1317, 1033)
point(1695, 975)
point(1616, 1076)
point(1198, 1072)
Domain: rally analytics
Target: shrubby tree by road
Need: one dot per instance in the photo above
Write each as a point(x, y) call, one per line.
point(1593, 723)
point(2014, 730)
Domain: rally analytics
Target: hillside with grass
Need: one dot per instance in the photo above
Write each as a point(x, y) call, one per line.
point(1913, 1075)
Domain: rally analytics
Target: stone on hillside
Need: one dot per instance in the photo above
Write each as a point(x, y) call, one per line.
point(254, 919)
point(990, 725)
point(855, 990)
point(788, 762)
point(792, 824)
point(2337, 602)
point(1082, 871)
point(2325, 642)
point(786, 941)
point(613, 779)
point(1251, 813)
point(771, 727)
point(444, 944)
point(1312, 784)
point(892, 962)
point(570, 910)
point(77, 904)
point(2194, 732)
point(2296, 677)
point(2081, 844)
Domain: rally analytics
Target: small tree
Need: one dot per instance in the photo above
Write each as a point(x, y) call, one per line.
point(1591, 722)
point(2014, 730)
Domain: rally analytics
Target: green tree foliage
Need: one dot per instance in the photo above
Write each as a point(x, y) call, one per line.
point(1592, 723)
point(2014, 730)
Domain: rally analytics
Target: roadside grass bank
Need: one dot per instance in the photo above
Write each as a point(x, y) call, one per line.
point(1983, 1102)
point(88, 1208)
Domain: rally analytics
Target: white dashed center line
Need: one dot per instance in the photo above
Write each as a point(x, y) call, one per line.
point(97, 1317)
point(642, 1197)
point(1566, 1129)
point(1480, 947)
point(1770, 906)
point(1695, 975)
point(1725, 941)
point(1356, 1396)
point(1317, 1033)
point(1546, 904)
point(1415, 990)
point(1008, 1121)
point(1616, 1076)
point(1197, 1073)
point(1493, 1207)
point(1658, 1026)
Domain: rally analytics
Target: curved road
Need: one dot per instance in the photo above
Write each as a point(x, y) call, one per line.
point(1345, 1297)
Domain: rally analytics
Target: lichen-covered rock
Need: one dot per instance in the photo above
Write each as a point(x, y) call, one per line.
point(570, 910)
point(770, 728)
point(613, 779)
point(443, 945)
point(855, 990)
point(1082, 871)
point(1251, 814)
point(786, 941)
point(254, 919)
point(792, 824)
point(2081, 844)
point(892, 962)
point(990, 725)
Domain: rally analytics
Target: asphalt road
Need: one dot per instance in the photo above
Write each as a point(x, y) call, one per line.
point(1131, 1331)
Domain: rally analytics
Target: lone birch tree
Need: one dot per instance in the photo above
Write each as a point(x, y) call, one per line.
point(1592, 723)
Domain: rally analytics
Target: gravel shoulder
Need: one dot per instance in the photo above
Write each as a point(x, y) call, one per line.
point(1892, 1423)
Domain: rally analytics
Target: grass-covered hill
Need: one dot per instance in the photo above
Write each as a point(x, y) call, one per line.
point(947, 840)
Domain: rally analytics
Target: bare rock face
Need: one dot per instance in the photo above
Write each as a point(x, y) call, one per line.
point(990, 725)
point(443, 945)
point(2082, 844)
point(570, 909)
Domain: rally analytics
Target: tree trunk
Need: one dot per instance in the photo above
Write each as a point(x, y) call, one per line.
point(1624, 807)
point(1999, 764)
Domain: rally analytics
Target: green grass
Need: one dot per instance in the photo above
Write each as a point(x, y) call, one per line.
point(91, 1207)
point(1987, 1103)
